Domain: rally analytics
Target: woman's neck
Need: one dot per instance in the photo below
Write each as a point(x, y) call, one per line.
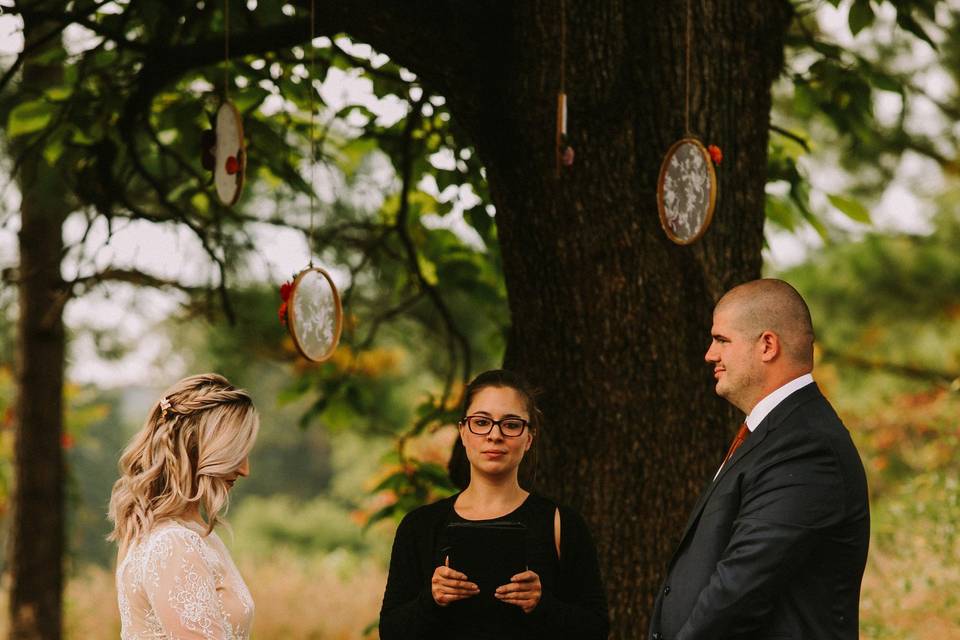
point(487, 497)
point(192, 514)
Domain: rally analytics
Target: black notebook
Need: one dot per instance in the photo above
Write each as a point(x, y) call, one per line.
point(488, 553)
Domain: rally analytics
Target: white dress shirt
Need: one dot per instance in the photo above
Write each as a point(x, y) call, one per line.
point(770, 402)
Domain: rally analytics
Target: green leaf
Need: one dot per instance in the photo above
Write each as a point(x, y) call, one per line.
point(352, 155)
point(909, 24)
point(53, 150)
point(885, 82)
point(381, 514)
point(435, 475)
point(59, 93)
point(392, 482)
point(427, 269)
point(861, 16)
point(28, 117)
point(816, 223)
point(851, 208)
point(480, 220)
point(781, 213)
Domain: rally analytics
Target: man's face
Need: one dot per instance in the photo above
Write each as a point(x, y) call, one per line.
point(736, 359)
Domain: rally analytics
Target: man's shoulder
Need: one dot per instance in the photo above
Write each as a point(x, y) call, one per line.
point(805, 405)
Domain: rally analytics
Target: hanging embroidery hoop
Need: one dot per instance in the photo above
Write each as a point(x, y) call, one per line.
point(686, 191)
point(687, 186)
point(230, 157)
point(314, 314)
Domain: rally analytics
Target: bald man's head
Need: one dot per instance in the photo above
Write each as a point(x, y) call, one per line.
point(773, 305)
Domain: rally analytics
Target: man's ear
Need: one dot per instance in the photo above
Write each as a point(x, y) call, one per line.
point(769, 346)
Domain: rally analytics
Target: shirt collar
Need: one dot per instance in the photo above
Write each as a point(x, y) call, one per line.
point(770, 402)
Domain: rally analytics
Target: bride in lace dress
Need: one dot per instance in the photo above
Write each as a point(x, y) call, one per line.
point(175, 577)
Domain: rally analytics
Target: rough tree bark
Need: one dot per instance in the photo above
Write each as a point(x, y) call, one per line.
point(37, 531)
point(608, 316)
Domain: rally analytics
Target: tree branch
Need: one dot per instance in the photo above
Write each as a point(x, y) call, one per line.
point(793, 136)
point(454, 336)
point(130, 276)
point(916, 372)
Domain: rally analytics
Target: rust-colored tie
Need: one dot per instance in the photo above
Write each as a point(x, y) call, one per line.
point(737, 441)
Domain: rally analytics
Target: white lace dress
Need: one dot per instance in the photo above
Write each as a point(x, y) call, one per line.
point(176, 583)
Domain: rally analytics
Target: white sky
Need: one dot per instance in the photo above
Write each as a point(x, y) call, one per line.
point(174, 253)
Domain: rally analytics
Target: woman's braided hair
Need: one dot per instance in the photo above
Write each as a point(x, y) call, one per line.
point(196, 436)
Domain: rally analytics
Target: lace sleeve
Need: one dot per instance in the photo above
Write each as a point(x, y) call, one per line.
point(182, 587)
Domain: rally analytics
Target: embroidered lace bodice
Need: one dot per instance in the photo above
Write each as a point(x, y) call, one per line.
point(176, 583)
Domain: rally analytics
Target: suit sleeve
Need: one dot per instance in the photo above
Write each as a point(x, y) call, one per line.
point(786, 503)
point(578, 609)
point(408, 611)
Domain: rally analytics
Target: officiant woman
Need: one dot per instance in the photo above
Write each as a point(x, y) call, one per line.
point(558, 594)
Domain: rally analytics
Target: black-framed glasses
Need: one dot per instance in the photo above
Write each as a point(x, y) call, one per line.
point(482, 425)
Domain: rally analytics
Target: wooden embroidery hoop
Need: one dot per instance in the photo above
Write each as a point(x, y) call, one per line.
point(707, 215)
point(298, 330)
point(228, 131)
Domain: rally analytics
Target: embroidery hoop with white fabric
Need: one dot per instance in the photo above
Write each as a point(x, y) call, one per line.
point(687, 186)
point(314, 314)
point(229, 154)
point(314, 311)
point(686, 191)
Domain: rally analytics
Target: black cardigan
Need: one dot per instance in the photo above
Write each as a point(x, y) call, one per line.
point(577, 609)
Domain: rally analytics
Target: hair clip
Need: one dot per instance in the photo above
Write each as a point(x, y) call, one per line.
point(164, 407)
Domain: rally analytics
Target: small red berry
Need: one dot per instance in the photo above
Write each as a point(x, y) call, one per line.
point(715, 154)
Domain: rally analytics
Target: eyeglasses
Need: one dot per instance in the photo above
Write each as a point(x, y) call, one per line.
point(482, 425)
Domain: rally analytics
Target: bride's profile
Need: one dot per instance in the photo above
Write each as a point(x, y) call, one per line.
point(175, 578)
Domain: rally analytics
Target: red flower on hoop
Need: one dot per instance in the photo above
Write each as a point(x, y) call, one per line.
point(715, 154)
point(285, 290)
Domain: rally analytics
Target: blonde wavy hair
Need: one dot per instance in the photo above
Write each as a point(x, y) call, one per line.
point(195, 437)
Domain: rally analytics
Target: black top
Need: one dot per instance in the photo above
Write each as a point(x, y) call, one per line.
point(573, 604)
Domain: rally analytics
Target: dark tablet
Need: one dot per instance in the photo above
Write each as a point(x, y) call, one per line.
point(488, 553)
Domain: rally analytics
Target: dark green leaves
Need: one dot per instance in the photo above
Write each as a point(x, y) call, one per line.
point(861, 16)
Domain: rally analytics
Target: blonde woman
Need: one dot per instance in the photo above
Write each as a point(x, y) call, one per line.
point(175, 578)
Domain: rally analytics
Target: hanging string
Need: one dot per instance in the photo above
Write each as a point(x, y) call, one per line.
point(561, 134)
point(226, 50)
point(563, 46)
point(313, 144)
point(686, 90)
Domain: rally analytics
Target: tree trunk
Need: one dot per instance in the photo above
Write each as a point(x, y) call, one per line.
point(609, 317)
point(37, 534)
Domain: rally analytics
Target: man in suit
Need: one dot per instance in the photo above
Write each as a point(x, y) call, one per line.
point(777, 544)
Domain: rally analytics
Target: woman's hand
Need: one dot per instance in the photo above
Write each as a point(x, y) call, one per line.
point(524, 591)
point(449, 585)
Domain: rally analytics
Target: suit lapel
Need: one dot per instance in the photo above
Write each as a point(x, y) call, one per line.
point(771, 422)
point(748, 445)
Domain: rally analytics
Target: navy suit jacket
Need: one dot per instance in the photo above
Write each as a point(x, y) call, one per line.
point(777, 544)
